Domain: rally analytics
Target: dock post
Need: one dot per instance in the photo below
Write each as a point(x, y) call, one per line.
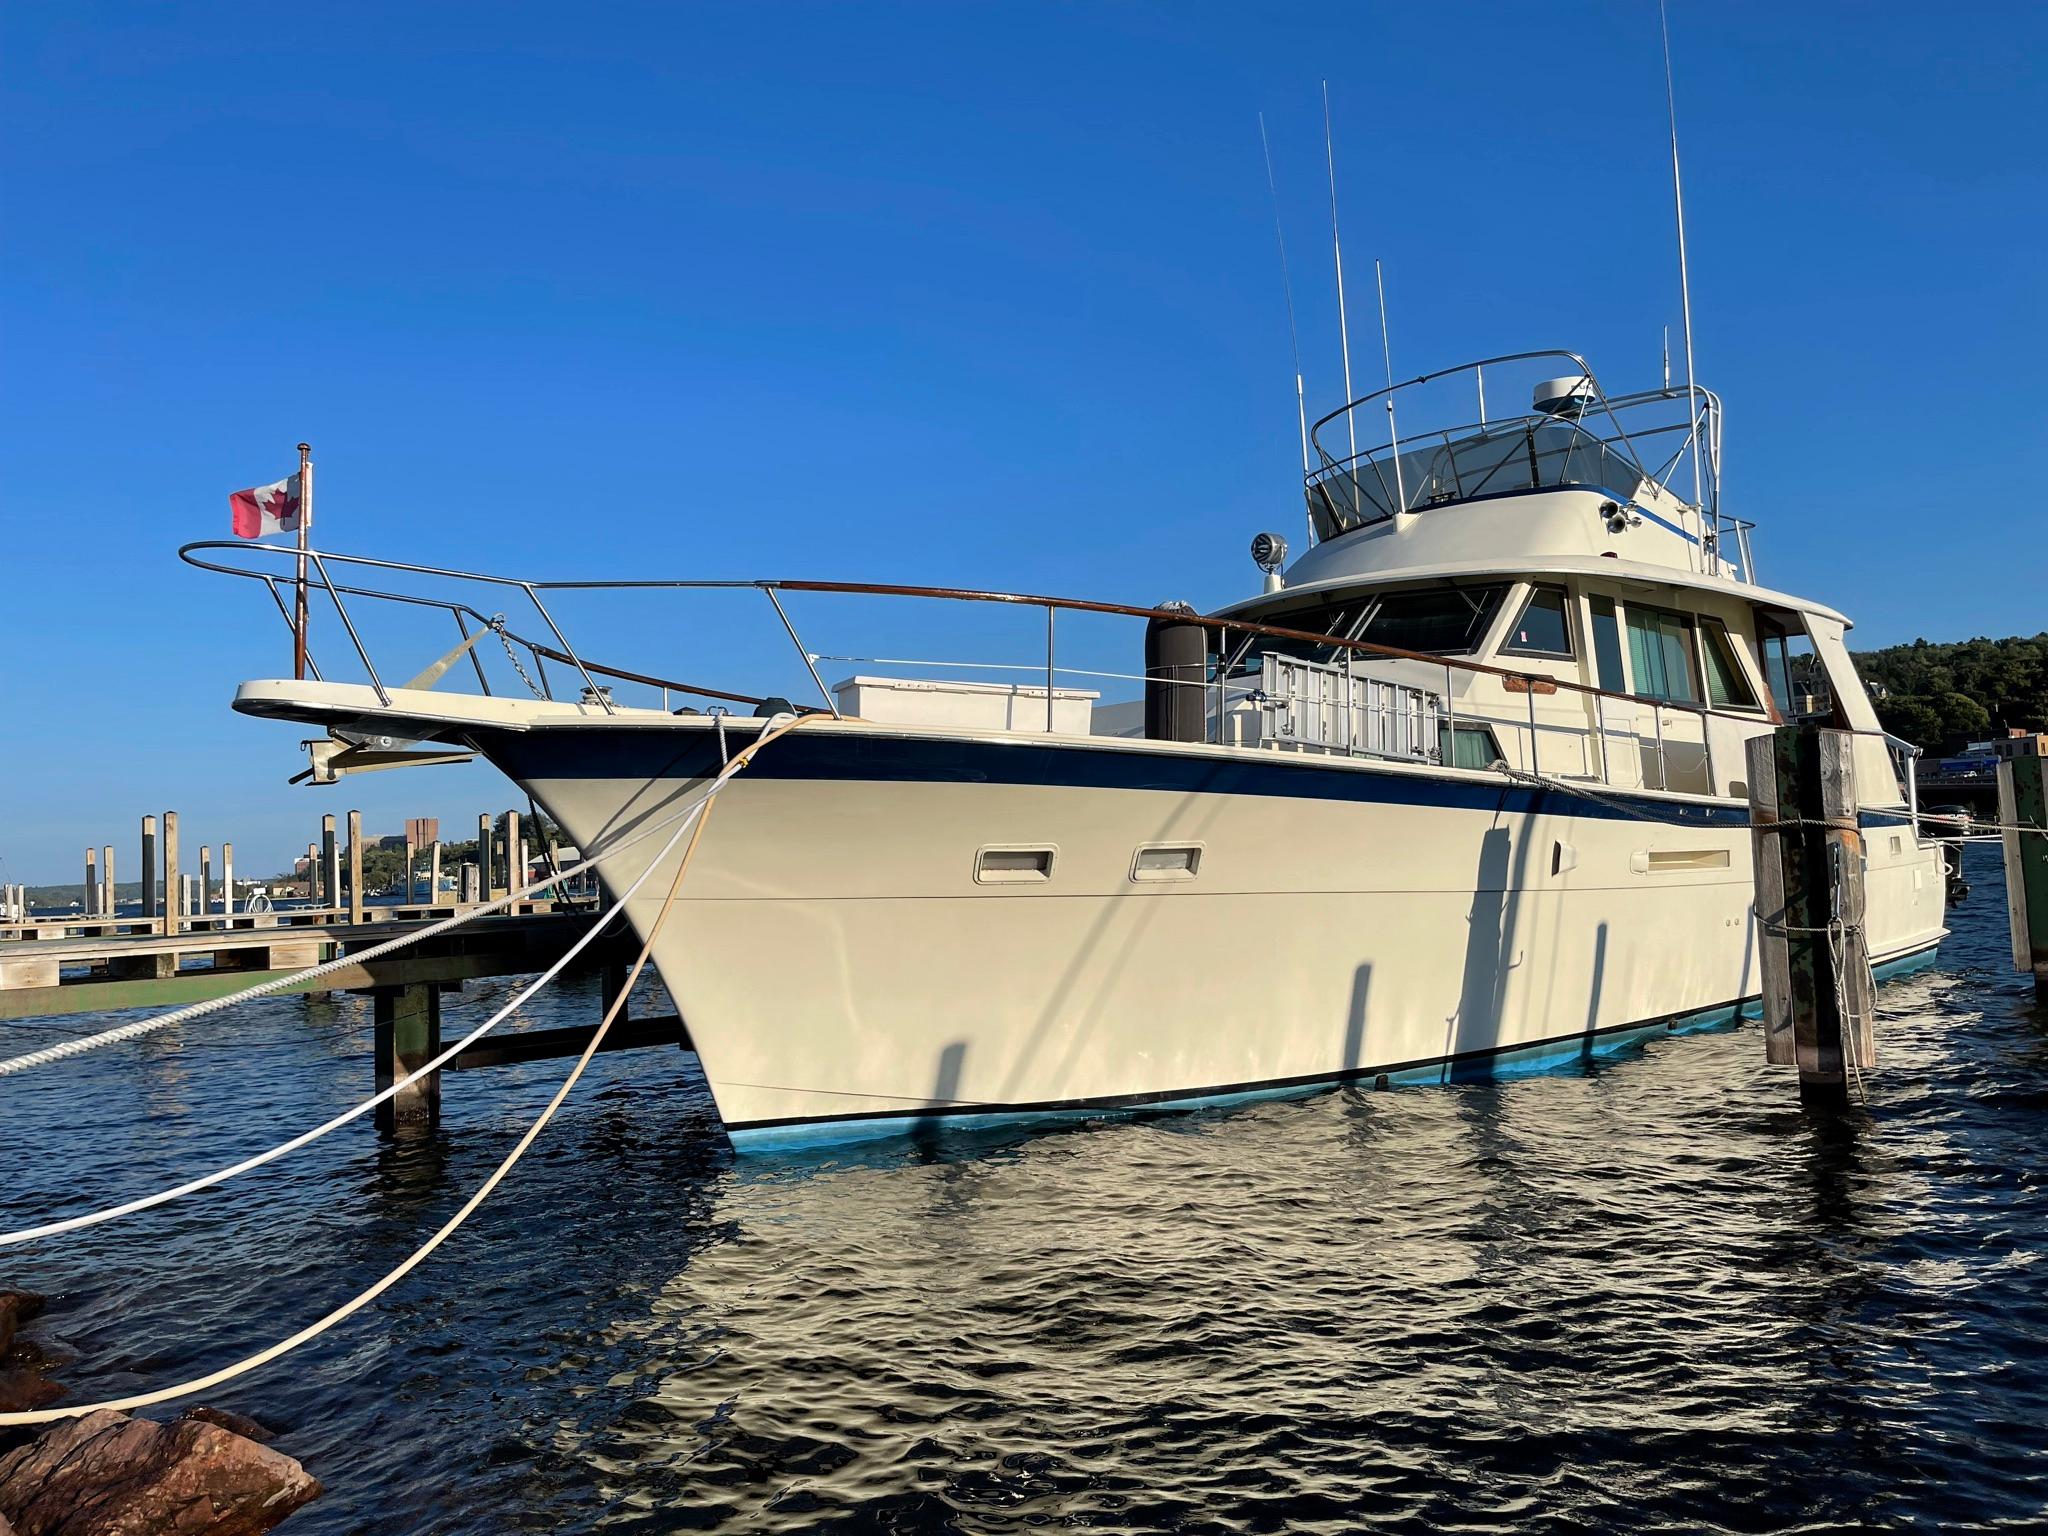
point(408, 1033)
point(171, 872)
point(434, 872)
point(2023, 802)
point(515, 874)
point(227, 879)
point(110, 904)
point(313, 873)
point(149, 871)
point(330, 862)
point(355, 866)
point(1809, 859)
point(483, 857)
point(205, 879)
point(471, 885)
point(92, 880)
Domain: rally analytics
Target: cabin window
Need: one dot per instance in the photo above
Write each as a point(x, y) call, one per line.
point(1443, 621)
point(1792, 671)
point(1727, 683)
point(1607, 646)
point(1467, 746)
point(1660, 652)
point(1544, 628)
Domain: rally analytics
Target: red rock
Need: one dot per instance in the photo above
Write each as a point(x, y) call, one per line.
point(234, 1423)
point(109, 1475)
point(21, 1390)
point(16, 1308)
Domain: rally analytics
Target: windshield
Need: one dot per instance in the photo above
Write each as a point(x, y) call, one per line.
point(1442, 620)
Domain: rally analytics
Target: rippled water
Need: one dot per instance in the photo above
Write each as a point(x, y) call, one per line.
point(1648, 1294)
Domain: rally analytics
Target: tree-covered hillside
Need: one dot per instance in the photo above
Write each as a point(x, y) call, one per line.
point(1942, 696)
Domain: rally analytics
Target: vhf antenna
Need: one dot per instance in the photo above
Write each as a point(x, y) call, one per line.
point(1692, 404)
point(1387, 351)
point(1293, 333)
point(1343, 324)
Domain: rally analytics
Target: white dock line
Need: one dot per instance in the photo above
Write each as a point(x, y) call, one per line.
point(149, 1025)
point(447, 1229)
point(306, 1138)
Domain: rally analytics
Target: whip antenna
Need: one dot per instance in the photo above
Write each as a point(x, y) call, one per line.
point(1343, 324)
point(1387, 352)
point(1293, 333)
point(1692, 404)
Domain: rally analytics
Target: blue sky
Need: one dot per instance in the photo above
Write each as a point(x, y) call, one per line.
point(977, 295)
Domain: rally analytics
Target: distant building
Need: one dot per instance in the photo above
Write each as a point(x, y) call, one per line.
point(422, 830)
point(2014, 743)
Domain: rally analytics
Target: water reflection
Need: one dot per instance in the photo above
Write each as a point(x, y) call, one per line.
point(1647, 1291)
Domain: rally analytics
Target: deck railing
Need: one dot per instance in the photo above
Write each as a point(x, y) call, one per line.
point(1655, 753)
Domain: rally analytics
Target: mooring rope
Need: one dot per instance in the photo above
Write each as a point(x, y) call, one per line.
point(155, 1022)
point(306, 1138)
point(448, 1228)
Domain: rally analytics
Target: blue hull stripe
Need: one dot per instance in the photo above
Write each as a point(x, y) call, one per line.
point(594, 752)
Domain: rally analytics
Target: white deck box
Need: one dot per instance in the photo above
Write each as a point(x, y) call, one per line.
point(973, 706)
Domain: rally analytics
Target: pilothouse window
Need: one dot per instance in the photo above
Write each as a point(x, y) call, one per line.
point(1660, 654)
point(1444, 621)
point(1727, 684)
point(1543, 629)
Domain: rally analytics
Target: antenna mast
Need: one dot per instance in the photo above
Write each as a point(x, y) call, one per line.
point(1387, 351)
point(1343, 324)
point(1692, 403)
point(1293, 333)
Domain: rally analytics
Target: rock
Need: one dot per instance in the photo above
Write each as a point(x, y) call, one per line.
point(22, 1389)
point(234, 1423)
point(16, 1308)
point(109, 1475)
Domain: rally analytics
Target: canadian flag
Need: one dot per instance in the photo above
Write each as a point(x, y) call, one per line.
point(266, 509)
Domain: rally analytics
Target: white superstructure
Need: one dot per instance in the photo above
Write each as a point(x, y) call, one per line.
point(1464, 788)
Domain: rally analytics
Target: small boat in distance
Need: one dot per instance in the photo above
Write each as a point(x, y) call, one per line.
point(1461, 787)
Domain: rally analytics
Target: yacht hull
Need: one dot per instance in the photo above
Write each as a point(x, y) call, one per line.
point(848, 963)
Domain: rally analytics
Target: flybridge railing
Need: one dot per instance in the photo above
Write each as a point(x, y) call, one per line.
point(1531, 686)
point(1414, 469)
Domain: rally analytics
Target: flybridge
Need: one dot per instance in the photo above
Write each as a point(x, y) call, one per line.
point(1633, 447)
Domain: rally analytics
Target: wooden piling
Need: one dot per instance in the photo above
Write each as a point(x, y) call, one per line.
point(434, 872)
point(149, 869)
point(205, 879)
point(1809, 859)
point(483, 856)
point(227, 879)
point(313, 873)
point(330, 863)
point(515, 875)
point(2023, 802)
point(408, 1033)
point(470, 883)
point(171, 924)
point(355, 866)
point(92, 881)
point(110, 903)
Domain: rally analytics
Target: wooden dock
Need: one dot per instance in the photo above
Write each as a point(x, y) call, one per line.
point(53, 967)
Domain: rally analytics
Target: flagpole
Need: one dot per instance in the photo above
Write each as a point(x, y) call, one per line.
point(305, 533)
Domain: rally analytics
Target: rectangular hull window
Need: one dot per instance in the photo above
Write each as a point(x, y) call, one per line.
point(1166, 861)
point(1013, 865)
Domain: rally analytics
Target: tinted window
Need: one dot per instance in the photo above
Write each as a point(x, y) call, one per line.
point(1442, 620)
point(1660, 653)
point(1468, 746)
point(1607, 645)
point(1727, 684)
point(1543, 629)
